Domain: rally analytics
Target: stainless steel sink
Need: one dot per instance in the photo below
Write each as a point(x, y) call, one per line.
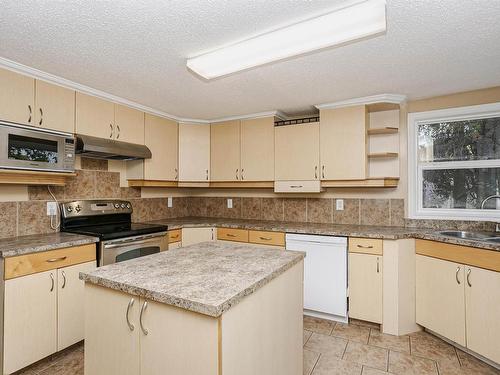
point(477, 236)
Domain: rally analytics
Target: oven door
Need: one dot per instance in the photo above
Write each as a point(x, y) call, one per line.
point(119, 250)
point(23, 148)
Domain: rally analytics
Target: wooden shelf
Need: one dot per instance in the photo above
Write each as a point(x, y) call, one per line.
point(151, 183)
point(21, 177)
point(379, 155)
point(386, 130)
point(373, 182)
point(220, 184)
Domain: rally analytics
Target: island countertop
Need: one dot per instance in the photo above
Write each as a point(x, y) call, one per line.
point(206, 278)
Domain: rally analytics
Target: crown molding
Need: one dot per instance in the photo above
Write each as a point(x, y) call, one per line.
point(373, 99)
point(251, 116)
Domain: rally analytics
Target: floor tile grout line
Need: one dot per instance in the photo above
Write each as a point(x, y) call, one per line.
point(316, 363)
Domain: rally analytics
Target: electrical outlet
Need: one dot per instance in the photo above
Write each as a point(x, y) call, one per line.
point(229, 203)
point(339, 204)
point(170, 202)
point(51, 208)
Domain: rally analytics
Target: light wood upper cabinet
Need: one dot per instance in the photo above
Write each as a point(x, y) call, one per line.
point(128, 125)
point(30, 319)
point(194, 152)
point(365, 287)
point(482, 306)
point(94, 116)
point(54, 107)
point(161, 136)
point(343, 143)
point(17, 97)
point(297, 152)
point(225, 151)
point(440, 298)
point(70, 308)
point(257, 149)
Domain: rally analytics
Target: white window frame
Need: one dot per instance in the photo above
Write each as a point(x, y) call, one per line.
point(415, 181)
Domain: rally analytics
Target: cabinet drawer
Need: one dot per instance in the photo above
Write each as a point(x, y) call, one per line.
point(297, 186)
point(28, 264)
point(174, 235)
point(266, 238)
point(365, 246)
point(229, 234)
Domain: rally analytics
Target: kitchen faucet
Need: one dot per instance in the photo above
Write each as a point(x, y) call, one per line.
point(494, 196)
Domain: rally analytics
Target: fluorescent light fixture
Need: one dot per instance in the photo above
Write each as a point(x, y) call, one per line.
point(337, 27)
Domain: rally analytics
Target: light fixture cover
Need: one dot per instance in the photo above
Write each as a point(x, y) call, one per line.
point(337, 27)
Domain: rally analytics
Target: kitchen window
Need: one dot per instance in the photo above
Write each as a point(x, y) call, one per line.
point(454, 163)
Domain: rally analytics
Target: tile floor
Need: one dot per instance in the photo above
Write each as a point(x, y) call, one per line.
point(359, 348)
point(332, 348)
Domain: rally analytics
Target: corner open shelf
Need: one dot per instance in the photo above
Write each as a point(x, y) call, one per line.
point(380, 155)
point(385, 130)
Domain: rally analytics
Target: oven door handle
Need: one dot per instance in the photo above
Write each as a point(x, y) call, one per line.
point(135, 242)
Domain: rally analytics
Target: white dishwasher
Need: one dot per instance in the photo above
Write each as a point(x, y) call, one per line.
point(325, 274)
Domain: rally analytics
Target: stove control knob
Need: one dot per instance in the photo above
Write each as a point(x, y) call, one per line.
point(123, 205)
point(128, 206)
point(69, 209)
point(117, 205)
point(78, 208)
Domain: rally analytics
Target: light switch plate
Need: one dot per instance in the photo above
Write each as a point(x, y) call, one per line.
point(229, 203)
point(339, 204)
point(170, 202)
point(51, 208)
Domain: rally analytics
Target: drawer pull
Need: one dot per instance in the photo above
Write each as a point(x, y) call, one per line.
point(176, 236)
point(53, 260)
point(265, 238)
point(378, 265)
point(365, 247)
point(456, 275)
point(296, 186)
point(230, 235)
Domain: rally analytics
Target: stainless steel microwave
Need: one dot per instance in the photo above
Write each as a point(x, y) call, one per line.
point(22, 147)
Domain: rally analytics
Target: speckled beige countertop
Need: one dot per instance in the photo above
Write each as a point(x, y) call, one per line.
point(206, 278)
point(365, 231)
point(20, 245)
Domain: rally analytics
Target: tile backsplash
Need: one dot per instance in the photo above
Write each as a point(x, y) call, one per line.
point(94, 181)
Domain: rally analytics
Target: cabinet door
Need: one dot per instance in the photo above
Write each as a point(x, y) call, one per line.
point(257, 149)
point(55, 107)
point(192, 236)
point(162, 137)
point(17, 96)
point(343, 143)
point(225, 151)
point(365, 287)
point(482, 309)
point(94, 116)
point(70, 308)
point(177, 341)
point(30, 318)
point(194, 152)
point(111, 346)
point(440, 297)
point(297, 152)
point(129, 125)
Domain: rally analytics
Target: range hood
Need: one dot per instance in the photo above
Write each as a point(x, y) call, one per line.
point(100, 148)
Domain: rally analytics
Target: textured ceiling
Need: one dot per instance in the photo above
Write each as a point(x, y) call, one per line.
point(137, 50)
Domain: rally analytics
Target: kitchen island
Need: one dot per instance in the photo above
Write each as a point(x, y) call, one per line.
point(212, 308)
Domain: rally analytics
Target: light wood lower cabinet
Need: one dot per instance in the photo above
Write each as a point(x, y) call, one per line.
point(482, 312)
point(365, 287)
point(30, 319)
point(232, 234)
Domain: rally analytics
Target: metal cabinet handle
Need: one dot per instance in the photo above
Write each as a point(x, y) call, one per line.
point(30, 112)
point(242, 177)
point(41, 116)
point(265, 238)
point(52, 280)
point(296, 186)
point(112, 131)
point(130, 304)
point(316, 171)
point(323, 171)
point(143, 308)
point(118, 128)
point(64, 279)
point(53, 260)
point(456, 275)
point(206, 170)
point(176, 236)
point(230, 235)
point(468, 277)
point(378, 265)
point(365, 246)
point(176, 173)
point(237, 169)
